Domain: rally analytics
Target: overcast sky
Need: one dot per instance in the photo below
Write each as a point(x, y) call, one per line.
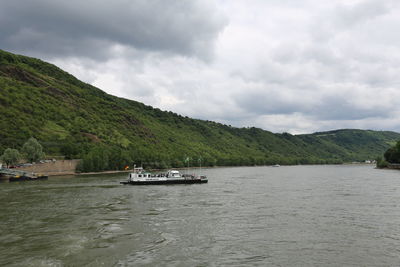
point(295, 66)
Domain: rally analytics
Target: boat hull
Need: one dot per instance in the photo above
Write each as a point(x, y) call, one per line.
point(27, 178)
point(169, 181)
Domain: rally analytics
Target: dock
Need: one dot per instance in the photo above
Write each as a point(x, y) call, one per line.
point(17, 175)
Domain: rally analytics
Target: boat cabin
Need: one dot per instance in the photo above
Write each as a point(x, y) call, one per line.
point(173, 174)
point(146, 176)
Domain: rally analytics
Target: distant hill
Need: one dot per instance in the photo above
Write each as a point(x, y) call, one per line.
point(75, 119)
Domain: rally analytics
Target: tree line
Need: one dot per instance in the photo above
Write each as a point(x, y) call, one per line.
point(32, 151)
point(392, 155)
point(100, 157)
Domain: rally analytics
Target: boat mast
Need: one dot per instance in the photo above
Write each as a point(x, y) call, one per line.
point(188, 161)
point(200, 167)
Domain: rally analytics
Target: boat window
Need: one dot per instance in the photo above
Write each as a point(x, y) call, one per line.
point(140, 175)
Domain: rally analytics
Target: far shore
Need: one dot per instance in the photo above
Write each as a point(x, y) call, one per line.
point(54, 172)
point(103, 172)
point(185, 168)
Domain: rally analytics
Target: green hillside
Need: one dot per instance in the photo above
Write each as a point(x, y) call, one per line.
point(77, 120)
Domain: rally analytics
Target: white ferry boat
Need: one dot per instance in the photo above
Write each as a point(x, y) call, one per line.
point(140, 177)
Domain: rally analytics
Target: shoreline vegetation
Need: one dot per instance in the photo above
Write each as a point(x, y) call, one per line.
point(32, 151)
point(70, 119)
point(391, 158)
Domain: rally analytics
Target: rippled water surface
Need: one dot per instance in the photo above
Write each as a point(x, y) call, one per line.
point(255, 216)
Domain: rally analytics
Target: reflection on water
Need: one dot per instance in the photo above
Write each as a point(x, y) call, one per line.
point(287, 216)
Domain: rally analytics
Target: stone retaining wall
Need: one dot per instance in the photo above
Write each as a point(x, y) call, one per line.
point(59, 167)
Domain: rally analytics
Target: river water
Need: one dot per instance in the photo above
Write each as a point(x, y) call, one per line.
point(250, 216)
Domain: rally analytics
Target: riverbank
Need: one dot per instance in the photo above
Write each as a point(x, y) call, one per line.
point(53, 168)
point(103, 172)
point(67, 168)
point(62, 168)
point(390, 166)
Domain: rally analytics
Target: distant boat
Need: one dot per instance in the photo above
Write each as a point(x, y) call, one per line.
point(140, 177)
point(19, 178)
point(276, 165)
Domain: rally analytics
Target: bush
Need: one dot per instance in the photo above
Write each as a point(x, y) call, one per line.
point(381, 163)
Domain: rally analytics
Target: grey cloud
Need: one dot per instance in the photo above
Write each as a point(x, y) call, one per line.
point(361, 12)
point(331, 107)
point(345, 17)
point(267, 102)
point(340, 108)
point(90, 28)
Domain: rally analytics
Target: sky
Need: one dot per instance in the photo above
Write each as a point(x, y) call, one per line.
point(296, 66)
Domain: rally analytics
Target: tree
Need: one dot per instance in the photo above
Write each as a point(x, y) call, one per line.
point(33, 150)
point(392, 155)
point(381, 163)
point(10, 156)
point(70, 149)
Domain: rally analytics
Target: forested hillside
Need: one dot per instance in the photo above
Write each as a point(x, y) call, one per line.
point(77, 120)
